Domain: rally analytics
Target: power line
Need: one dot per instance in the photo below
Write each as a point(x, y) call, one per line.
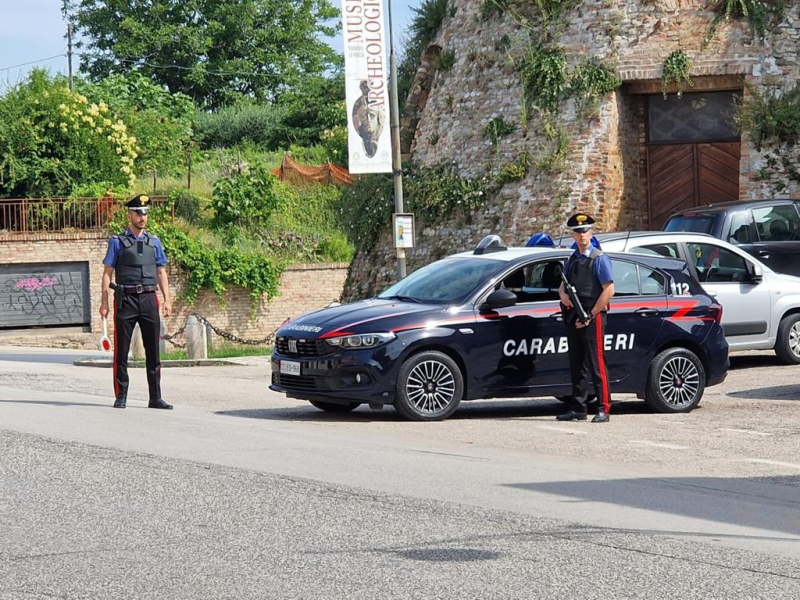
point(210, 72)
point(33, 62)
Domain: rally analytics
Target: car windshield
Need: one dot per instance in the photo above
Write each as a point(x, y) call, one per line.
point(445, 281)
point(693, 223)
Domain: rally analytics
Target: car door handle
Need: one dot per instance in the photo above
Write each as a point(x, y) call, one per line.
point(557, 316)
point(764, 253)
point(646, 312)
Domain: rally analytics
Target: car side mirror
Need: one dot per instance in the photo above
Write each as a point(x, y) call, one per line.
point(755, 274)
point(501, 298)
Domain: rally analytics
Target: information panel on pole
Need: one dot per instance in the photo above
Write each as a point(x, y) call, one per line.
point(403, 230)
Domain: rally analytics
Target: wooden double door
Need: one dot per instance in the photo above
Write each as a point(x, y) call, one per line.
point(686, 165)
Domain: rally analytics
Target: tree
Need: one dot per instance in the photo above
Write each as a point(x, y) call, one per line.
point(52, 140)
point(162, 122)
point(212, 50)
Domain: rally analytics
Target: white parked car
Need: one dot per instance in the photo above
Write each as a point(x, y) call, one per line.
point(760, 308)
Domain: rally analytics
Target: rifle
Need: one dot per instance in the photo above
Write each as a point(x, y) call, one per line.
point(583, 316)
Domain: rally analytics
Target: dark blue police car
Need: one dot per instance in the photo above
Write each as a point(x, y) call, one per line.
point(487, 324)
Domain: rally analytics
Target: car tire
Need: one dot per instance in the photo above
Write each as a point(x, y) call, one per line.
point(334, 407)
point(787, 346)
point(675, 382)
point(429, 387)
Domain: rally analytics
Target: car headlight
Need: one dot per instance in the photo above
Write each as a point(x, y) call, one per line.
point(362, 340)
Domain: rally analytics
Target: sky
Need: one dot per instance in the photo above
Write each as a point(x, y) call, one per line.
point(31, 30)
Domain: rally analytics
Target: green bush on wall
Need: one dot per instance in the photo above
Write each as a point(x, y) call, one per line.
point(544, 76)
point(205, 265)
point(676, 70)
point(770, 116)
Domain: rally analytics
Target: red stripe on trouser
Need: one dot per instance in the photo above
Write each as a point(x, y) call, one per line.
point(601, 362)
point(114, 370)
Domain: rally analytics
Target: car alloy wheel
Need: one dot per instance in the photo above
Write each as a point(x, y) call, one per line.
point(429, 386)
point(794, 339)
point(679, 382)
point(787, 346)
point(676, 381)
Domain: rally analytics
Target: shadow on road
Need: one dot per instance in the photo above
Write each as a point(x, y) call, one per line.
point(778, 392)
point(754, 361)
point(745, 501)
point(474, 409)
point(55, 403)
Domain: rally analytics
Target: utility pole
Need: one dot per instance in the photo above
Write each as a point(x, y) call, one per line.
point(69, 54)
point(397, 167)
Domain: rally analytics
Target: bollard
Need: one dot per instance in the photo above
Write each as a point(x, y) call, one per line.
point(209, 338)
point(162, 343)
point(137, 345)
point(195, 339)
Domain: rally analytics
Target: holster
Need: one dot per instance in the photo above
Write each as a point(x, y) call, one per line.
point(119, 292)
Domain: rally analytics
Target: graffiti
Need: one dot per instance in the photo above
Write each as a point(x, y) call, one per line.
point(42, 298)
point(31, 284)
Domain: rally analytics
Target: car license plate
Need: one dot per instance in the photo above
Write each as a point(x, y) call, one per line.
point(290, 368)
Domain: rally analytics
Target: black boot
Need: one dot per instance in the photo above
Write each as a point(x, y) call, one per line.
point(159, 403)
point(572, 416)
point(119, 403)
point(601, 417)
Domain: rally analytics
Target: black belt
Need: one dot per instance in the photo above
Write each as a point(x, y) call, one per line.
point(134, 289)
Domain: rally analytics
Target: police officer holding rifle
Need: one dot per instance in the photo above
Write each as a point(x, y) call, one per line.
point(138, 262)
point(586, 290)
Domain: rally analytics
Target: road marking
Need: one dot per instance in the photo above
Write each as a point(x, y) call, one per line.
point(748, 431)
point(562, 429)
point(776, 463)
point(658, 445)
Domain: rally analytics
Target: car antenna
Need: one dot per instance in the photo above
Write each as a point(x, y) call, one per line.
point(627, 237)
point(561, 237)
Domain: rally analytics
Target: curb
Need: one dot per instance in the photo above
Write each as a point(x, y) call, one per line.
point(203, 362)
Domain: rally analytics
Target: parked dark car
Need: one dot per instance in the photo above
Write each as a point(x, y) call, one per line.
point(767, 229)
point(487, 324)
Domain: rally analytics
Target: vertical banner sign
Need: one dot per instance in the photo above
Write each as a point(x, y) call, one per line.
point(368, 131)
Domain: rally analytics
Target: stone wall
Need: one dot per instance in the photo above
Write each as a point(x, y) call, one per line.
point(605, 171)
point(303, 288)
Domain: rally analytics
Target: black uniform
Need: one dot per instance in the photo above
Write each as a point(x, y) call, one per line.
point(136, 261)
point(136, 301)
point(586, 343)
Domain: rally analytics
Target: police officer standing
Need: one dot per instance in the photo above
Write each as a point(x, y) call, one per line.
point(138, 260)
point(589, 271)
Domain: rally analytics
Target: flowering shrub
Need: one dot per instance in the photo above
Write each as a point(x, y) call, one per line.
point(52, 139)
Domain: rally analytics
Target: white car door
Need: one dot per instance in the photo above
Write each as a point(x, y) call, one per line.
point(746, 304)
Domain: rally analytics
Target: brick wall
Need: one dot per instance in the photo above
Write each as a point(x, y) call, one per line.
point(303, 288)
point(605, 173)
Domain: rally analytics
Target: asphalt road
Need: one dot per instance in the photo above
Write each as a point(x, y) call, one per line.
point(242, 493)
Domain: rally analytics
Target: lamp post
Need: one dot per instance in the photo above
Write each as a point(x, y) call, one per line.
point(394, 120)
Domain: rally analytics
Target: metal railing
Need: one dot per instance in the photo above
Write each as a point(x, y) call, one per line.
point(60, 215)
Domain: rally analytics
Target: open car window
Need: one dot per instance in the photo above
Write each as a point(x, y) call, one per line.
point(715, 264)
point(536, 282)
